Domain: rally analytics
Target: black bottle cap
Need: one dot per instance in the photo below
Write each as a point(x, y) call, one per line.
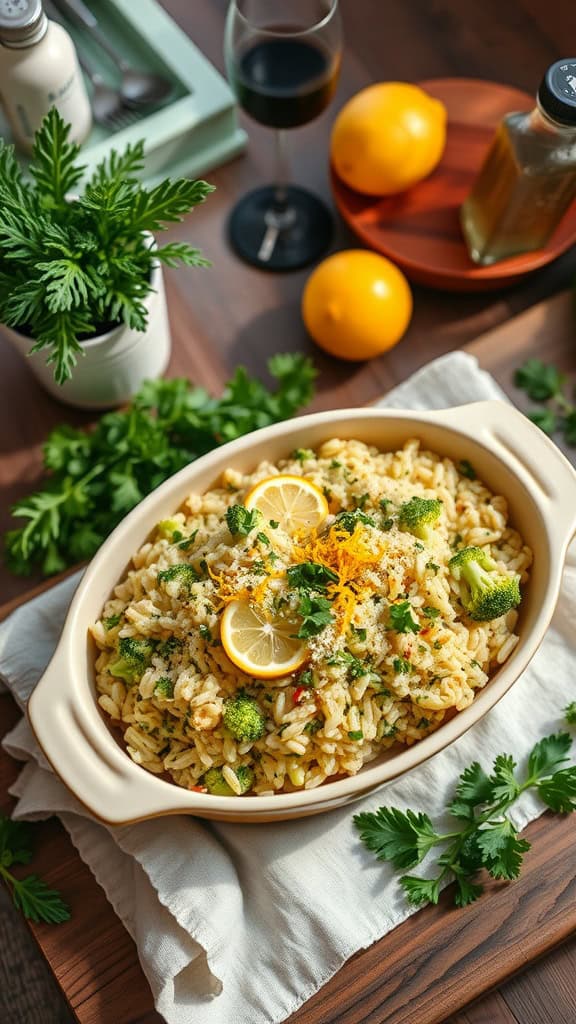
point(557, 92)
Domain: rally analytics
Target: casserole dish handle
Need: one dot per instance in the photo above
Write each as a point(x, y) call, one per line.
point(530, 455)
point(68, 729)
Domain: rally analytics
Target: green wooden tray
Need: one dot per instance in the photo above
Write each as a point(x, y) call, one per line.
point(196, 129)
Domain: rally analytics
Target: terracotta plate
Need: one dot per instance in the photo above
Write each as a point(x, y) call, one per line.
point(419, 230)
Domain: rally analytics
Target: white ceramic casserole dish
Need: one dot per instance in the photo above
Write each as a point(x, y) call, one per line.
point(510, 454)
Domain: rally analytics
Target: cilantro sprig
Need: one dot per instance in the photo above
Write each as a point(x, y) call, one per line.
point(486, 837)
point(95, 477)
point(545, 384)
point(36, 900)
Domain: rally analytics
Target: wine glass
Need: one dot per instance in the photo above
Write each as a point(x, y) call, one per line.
point(283, 60)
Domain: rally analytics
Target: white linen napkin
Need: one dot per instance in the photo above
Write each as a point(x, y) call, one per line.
point(241, 924)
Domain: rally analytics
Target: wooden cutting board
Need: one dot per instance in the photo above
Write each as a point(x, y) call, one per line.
point(426, 969)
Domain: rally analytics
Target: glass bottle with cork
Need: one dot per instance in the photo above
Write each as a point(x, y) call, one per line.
point(528, 178)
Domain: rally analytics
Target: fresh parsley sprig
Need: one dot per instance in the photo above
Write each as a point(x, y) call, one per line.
point(545, 384)
point(570, 713)
point(486, 838)
point(36, 900)
point(74, 267)
point(96, 477)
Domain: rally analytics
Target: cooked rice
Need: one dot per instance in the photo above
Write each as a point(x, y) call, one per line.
point(354, 711)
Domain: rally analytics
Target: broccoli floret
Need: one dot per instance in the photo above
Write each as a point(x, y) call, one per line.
point(133, 657)
point(485, 592)
point(241, 520)
point(164, 688)
point(183, 573)
point(419, 515)
point(243, 718)
point(216, 784)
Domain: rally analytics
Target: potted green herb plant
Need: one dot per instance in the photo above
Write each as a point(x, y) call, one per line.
point(80, 274)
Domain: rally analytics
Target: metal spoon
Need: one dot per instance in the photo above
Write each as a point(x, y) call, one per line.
point(137, 88)
point(108, 108)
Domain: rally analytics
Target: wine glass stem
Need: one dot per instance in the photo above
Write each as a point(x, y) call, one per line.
point(282, 169)
point(280, 216)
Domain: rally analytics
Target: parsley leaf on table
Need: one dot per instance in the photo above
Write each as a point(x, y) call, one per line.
point(36, 900)
point(544, 383)
point(539, 380)
point(570, 713)
point(96, 477)
point(485, 837)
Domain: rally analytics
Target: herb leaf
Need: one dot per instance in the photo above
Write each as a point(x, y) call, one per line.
point(96, 476)
point(311, 576)
point(316, 615)
point(401, 620)
point(486, 838)
point(539, 380)
point(403, 837)
point(31, 895)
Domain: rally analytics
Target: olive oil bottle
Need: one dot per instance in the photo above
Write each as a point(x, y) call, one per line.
point(528, 178)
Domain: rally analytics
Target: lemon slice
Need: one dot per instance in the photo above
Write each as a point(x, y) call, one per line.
point(295, 503)
point(262, 647)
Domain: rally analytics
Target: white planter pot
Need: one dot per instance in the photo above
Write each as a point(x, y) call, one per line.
point(115, 364)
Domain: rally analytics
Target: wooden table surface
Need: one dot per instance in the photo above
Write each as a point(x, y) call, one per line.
point(233, 314)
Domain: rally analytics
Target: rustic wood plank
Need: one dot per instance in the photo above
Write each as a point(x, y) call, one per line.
point(492, 1009)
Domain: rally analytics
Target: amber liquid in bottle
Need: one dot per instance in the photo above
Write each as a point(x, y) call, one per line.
point(525, 186)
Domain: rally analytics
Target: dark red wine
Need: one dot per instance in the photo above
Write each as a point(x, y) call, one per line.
point(284, 83)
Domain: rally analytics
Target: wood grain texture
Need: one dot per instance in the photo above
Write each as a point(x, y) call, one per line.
point(233, 313)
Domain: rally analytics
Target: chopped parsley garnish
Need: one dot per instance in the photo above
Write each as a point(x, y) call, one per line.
point(430, 612)
point(401, 620)
point(356, 735)
point(349, 519)
point(311, 576)
point(306, 678)
point(433, 567)
point(169, 646)
point(111, 620)
point(273, 524)
point(316, 615)
point(313, 726)
point(358, 631)
point(402, 666)
point(188, 541)
point(355, 666)
point(360, 500)
point(205, 631)
point(466, 469)
point(302, 454)
point(263, 539)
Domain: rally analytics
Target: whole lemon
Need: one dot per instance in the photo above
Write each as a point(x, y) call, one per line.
point(387, 138)
point(356, 304)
